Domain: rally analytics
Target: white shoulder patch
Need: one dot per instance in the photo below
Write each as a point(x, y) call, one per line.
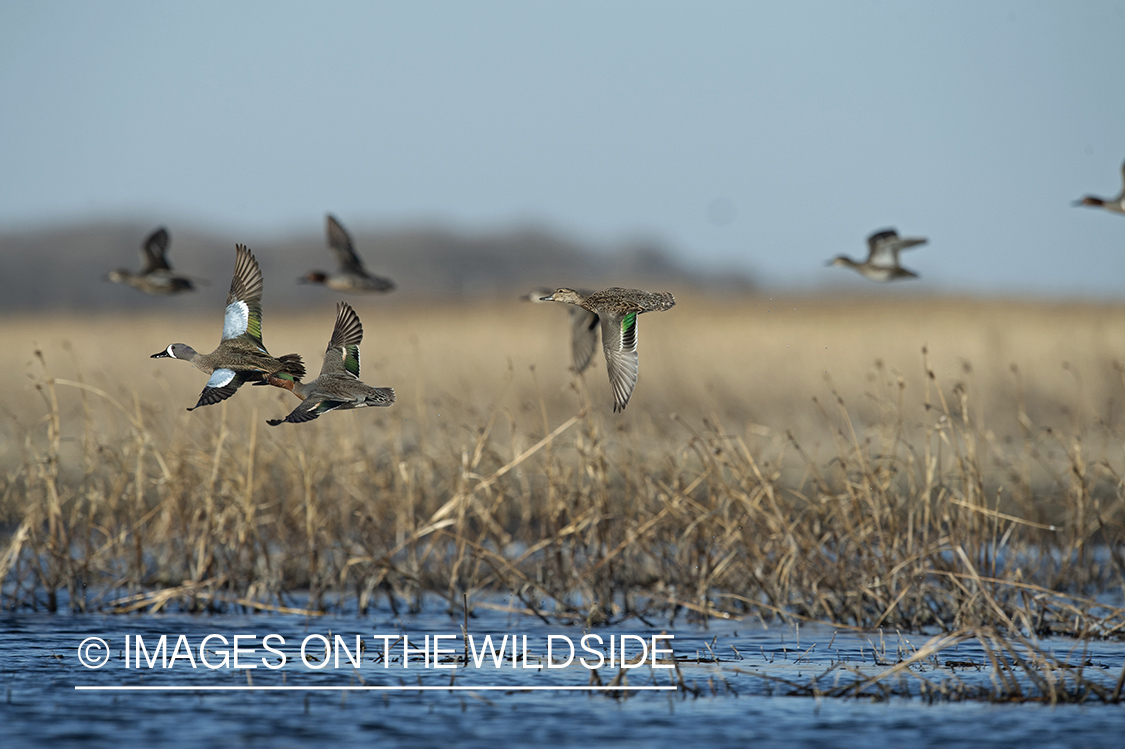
point(220, 377)
point(236, 321)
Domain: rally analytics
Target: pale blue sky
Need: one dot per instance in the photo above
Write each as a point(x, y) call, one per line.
point(761, 135)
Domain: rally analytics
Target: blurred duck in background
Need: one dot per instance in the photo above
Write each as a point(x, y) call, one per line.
point(351, 276)
point(882, 256)
point(1114, 205)
point(156, 276)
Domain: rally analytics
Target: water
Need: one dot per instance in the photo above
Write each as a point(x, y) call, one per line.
point(740, 678)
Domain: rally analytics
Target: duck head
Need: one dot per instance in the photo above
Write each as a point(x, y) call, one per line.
point(313, 276)
point(570, 296)
point(176, 351)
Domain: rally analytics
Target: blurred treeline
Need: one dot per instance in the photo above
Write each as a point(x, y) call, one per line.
point(62, 268)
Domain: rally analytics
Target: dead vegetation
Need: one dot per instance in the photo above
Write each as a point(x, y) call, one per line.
point(948, 466)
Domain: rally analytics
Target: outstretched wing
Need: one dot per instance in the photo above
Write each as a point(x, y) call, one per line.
point(341, 244)
point(243, 318)
point(153, 252)
point(222, 385)
point(905, 243)
point(619, 341)
point(881, 248)
point(309, 409)
point(342, 355)
point(884, 246)
point(583, 336)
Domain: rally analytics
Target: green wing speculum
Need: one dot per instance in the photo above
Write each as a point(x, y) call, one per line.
point(619, 341)
point(342, 355)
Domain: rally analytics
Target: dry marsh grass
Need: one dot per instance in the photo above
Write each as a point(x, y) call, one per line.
point(946, 464)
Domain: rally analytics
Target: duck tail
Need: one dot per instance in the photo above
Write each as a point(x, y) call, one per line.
point(293, 365)
point(380, 397)
point(664, 300)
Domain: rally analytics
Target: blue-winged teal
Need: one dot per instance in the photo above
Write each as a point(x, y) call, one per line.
point(1115, 205)
point(583, 329)
point(338, 386)
point(156, 275)
point(617, 309)
point(882, 256)
point(240, 356)
point(351, 276)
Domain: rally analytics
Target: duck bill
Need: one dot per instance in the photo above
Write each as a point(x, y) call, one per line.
point(161, 355)
point(550, 298)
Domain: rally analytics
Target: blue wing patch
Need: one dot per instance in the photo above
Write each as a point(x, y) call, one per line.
point(236, 320)
point(220, 377)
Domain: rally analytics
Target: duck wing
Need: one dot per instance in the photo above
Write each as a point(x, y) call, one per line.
point(243, 317)
point(222, 385)
point(153, 252)
point(619, 341)
point(881, 248)
point(583, 336)
point(884, 246)
point(310, 408)
point(342, 354)
point(341, 244)
point(905, 243)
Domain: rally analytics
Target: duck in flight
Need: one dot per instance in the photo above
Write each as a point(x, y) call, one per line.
point(351, 276)
point(618, 309)
point(240, 356)
point(338, 387)
point(882, 256)
point(156, 276)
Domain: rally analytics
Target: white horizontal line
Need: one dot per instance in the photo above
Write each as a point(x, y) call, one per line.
point(291, 688)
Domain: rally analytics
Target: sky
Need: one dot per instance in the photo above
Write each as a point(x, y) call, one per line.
point(763, 137)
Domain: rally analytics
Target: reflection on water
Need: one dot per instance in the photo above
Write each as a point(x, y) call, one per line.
point(734, 684)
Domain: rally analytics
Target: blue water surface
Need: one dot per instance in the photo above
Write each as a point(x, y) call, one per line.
point(738, 685)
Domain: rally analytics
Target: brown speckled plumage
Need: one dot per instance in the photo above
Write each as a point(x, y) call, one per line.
point(617, 309)
point(338, 387)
